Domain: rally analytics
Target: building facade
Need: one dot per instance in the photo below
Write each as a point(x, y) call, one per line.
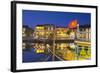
point(83, 42)
point(60, 41)
point(27, 33)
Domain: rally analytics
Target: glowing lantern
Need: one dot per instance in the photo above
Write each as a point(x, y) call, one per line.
point(73, 24)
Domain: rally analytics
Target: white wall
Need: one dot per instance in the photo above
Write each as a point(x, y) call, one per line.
point(5, 36)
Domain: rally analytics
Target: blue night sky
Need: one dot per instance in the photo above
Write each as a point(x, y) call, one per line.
point(33, 18)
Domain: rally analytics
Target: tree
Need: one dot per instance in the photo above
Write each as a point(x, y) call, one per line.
point(69, 31)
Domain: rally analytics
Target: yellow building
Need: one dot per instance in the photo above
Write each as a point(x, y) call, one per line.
point(39, 31)
point(43, 31)
point(49, 30)
point(61, 33)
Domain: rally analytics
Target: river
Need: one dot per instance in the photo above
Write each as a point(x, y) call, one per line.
point(32, 56)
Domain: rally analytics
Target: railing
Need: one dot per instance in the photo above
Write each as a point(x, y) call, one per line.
point(83, 39)
point(55, 55)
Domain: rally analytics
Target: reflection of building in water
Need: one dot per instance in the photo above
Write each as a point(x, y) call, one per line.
point(39, 47)
point(83, 50)
point(61, 46)
point(65, 51)
point(26, 45)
